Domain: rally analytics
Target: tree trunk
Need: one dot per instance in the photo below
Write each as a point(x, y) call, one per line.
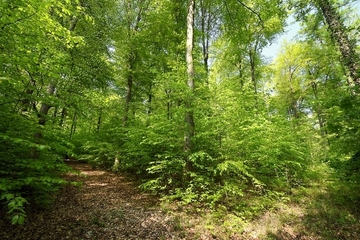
point(205, 28)
point(338, 33)
point(252, 58)
point(132, 27)
point(41, 114)
point(318, 110)
point(63, 115)
point(149, 111)
point(73, 126)
point(189, 115)
point(293, 108)
point(128, 94)
point(44, 109)
point(54, 116)
point(29, 90)
point(99, 121)
point(168, 104)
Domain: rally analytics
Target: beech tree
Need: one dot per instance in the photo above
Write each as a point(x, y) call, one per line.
point(339, 34)
point(189, 115)
point(177, 92)
point(338, 30)
point(43, 68)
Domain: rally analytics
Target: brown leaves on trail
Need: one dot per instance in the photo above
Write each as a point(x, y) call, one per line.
point(106, 206)
point(110, 206)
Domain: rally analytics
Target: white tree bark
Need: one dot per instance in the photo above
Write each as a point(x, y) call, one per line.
point(189, 116)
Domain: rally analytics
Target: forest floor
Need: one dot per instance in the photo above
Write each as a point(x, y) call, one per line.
point(110, 206)
point(105, 206)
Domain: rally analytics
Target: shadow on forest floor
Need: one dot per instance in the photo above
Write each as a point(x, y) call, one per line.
point(110, 206)
point(106, 206)
point(315, 213)
point(312, 213)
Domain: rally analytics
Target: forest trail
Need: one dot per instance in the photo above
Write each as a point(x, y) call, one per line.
point(110, 206)
point(106, 206)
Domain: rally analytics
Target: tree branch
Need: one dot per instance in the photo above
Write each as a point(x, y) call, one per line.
point(251, 10)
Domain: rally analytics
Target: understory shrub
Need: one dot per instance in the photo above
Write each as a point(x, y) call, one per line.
point(30, 169)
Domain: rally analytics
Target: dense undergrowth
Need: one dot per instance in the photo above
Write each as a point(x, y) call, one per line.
point(222, 129)
point(321, 209)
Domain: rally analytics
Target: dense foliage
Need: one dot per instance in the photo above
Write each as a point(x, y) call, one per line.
point(201, 116)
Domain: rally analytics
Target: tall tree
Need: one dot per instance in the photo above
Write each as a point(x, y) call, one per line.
point(189, 114)
point(335, 21)
point(340, 35)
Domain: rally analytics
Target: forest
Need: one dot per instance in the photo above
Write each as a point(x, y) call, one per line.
point(179, 95)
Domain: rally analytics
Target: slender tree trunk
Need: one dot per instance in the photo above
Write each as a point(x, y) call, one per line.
point(252, 68)
point(45, 107)
point(149, 106)
point(55, 114)
point(150, 99)
point(318, 110)
point(128, 95)
point(132, 26)
point(26, 102)
point(239, 66)
point(99, 121)
point(205, 26)
point(63, 115)
point(168, 104)
point(73, 126)
point(338, 32)
point(189, 115)
point(42, 114)
point(252, 57)
point(293, 109)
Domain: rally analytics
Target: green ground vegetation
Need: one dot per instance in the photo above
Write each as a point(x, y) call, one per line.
point(186, 101)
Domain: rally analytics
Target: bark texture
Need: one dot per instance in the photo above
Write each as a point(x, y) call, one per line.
point(189, 115)
point(129, 89)
point(339, 34)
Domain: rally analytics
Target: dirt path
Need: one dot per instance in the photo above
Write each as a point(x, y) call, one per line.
point(107, 206)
